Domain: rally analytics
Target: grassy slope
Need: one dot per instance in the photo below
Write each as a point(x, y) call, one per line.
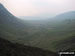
point(63, 36)
point(13, 49)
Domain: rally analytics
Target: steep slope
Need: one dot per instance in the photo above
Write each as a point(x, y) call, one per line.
point(6, 17)
point(13, 49)
point(10, 26)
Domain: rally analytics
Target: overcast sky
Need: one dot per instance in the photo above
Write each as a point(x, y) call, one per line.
point(38, 7)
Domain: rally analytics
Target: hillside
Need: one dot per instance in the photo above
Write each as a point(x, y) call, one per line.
point(10, 26)
point(65, 34)
point(65, 16)
point(14, 49)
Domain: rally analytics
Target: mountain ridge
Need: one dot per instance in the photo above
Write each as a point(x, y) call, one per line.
point(65, 16)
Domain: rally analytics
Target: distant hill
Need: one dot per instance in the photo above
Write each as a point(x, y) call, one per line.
point(13, 49)
point(31, 18)
point(65, 16)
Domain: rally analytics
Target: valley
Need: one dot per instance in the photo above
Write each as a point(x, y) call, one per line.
point(52, 35)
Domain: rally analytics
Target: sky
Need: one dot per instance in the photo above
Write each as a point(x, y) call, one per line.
point(41, 8)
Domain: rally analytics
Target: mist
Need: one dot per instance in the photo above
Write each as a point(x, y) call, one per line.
point(38, 8)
